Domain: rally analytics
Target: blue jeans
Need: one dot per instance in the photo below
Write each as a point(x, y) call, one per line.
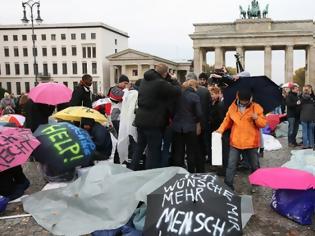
point(152, 139)
point(250, 154)
point(293, 129)
point(308, 134)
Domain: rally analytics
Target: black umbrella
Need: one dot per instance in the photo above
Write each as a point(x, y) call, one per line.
point(193, 204)
point(63, 146)
point(265, 92)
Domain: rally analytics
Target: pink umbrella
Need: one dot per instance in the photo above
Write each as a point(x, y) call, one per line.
point(282, 178)
point(50, 93)
point(16, 145)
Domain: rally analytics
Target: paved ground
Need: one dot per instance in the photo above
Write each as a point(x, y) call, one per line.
point(264, 222)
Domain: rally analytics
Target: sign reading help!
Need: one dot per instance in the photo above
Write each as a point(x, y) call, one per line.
point(63, 146)
point(193, 204)
point(16, 145)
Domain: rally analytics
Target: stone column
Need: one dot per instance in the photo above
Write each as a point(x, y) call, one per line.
point(241, 51)
point(310, 65)
point(123, 69)
point(288, 63)
point(111, 75)
point(268, 61)
point(140, 75)
point(152, 66)
point(219, 57)
point(198, 60)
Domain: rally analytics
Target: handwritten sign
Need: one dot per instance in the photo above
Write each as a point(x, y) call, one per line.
point(196, 204)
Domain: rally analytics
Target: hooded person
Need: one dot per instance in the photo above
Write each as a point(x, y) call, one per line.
point(7, 104)
point(82, 95)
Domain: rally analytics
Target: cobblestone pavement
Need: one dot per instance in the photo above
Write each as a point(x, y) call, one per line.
point(264, 222)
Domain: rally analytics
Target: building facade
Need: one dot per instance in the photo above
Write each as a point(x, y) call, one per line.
point(134, 64)
point(64, 53)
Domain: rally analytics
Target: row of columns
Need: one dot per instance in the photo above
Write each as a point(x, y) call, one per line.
point(200, 60)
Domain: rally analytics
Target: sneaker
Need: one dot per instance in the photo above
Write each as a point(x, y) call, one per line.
point(291, 145)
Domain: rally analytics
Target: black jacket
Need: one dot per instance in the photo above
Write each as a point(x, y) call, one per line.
point(205, 101)
point(217, 115)
point(293, 109)
point(188, 112)
point(307, 108)
point(81, 96)
point(154, 99)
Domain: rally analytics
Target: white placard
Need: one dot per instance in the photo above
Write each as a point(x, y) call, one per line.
point(216, 149)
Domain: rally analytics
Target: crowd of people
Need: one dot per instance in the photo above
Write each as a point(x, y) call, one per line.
point(170, 124)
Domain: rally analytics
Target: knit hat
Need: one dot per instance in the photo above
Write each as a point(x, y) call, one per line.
point(116, 94)
point(123, 78)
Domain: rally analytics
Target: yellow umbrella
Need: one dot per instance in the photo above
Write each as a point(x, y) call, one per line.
point(76, 113)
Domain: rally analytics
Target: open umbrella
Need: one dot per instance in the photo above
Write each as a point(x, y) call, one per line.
point(63, 146)
point(104, 103)
point(265, 92)
point(50, 93)
point(282, 178)
point(13, 118)
point(76, 113)
point(16, 145)
point(193, 204)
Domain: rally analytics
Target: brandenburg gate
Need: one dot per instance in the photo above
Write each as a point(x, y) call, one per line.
point(256, 33)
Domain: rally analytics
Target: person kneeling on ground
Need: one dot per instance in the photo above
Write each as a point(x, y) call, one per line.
point(245, 118)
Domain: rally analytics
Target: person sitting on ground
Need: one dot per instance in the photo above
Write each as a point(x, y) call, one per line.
point(245, 118)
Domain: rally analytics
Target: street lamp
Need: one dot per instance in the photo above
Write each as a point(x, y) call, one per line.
point(31, 4)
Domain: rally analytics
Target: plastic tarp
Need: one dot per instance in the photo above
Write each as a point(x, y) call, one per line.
point(103, 198)
point(216, 149)
point(271, 143)
point(302, 160)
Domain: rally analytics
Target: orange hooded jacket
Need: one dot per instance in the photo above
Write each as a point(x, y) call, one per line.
point(245, 132)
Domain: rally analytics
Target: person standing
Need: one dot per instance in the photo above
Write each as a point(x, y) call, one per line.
point(245, 118)
point(156, 91)
point(293, 113)
point(82, 95)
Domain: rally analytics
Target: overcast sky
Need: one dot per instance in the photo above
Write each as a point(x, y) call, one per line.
point(161, 27)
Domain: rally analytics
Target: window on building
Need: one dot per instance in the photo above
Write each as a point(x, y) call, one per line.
point(74, 50)
point(6, 52)
point(64, 68)
point(34, 37)
point(7, 69)
point(9, 88)
point(25, 53)
point(89, 52)
point(45, 69)
point(83, 36)
point(135, 72)
point(17, 68)
point(16, 51)
point(26, 70)
point(64, 51)
point(35, 52)
point(84, 52)
point(53, 37)
point(84, 68)
point(74, 68)
point(15, 38)
point(116, 50)
point(63, 36)
point(44, 51)
point(116, 41)
point(94, 68)
point(24, 37)
point(73, 36)
point(27, 87)
point(75, 84)
point(95, 87)
point(18, 88)
point(54, 51)
point(94, 52)
point(93, 35)
point(5, 38)
point(55, 68)
point(43, 37)
point(65, 83)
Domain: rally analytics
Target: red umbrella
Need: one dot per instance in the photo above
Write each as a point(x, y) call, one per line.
point(50, 93)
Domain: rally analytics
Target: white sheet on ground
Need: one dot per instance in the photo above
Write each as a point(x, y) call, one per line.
point(302, 160)
point(216, 149)
point(271, 143)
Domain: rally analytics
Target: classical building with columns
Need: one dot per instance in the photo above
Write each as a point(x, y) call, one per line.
point(256, 34)
point(134, 64)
